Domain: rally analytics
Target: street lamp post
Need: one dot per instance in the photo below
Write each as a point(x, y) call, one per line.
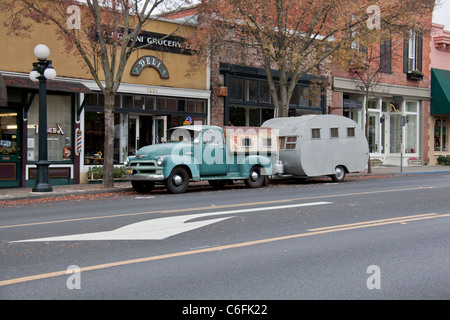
point(42, 71)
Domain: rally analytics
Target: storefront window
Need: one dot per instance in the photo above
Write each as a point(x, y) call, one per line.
point(59, 128)
point(94, 137)
point(373, 139)
point(249, 116)
point(139, 102)
point(251, 91)
point(395, 133)
point(264, 93)
point(237, 89)
point(8, 133)
point(441, 134)
point(411, 134)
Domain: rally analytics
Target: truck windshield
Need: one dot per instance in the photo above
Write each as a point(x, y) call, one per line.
point(181, 134)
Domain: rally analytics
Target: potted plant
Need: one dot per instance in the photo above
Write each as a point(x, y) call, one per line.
point(443, 160)
point(414, 75)
point(376, 163)
point(95, 173)
point(414, 162)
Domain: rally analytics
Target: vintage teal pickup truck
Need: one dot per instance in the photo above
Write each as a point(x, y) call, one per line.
point(212, 153)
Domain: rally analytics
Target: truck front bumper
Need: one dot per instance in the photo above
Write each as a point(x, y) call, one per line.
point(143, 177)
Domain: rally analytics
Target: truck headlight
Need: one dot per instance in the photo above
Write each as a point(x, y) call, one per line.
point(160, 161)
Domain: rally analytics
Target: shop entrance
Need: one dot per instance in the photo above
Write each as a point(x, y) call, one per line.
point(145, 130)
point(10, 162)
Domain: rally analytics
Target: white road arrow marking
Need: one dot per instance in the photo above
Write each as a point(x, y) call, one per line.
point(158, 229)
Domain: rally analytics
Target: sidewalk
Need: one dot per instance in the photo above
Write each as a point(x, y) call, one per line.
point(12, 194)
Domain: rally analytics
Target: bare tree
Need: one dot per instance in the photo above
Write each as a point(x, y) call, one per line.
point(103, 33)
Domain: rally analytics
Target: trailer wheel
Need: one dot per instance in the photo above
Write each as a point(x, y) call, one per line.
point(255, 178)
point(143, 186)
point(339, 175)
point(178, 180)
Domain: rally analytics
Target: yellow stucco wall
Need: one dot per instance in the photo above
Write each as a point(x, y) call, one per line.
point(16, 55)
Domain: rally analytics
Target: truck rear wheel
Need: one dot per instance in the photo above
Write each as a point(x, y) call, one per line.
point(143, 186)
point(255, 178)
point(178, 180)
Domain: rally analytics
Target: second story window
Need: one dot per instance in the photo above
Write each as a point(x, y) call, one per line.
point(412, 53)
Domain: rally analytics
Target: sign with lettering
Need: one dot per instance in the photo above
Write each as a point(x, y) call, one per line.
point(52, 130)
point(150, 41)
point(150, 62)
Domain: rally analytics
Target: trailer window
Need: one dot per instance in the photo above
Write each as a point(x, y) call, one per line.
point(290, 143)
point(281, 142)
point(334, 132)
point(315, 133)
point(350, 132)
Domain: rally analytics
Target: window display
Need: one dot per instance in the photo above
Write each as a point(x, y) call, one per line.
point(59, 128)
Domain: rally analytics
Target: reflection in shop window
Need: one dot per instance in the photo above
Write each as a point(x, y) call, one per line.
point(251, 91)
point(139, 102)
point(59, 128)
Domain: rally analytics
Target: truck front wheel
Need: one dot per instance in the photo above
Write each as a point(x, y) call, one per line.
point(143, 186)
point(178, 180)
point(255, 178)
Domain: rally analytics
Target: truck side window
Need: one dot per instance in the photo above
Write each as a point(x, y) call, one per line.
point(350, 132)
point(315, 133)
point(212, 137)
point(246, 142)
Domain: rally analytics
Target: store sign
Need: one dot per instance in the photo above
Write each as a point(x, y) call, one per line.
point(52, 130)
point(150, 62)
point(151, 41)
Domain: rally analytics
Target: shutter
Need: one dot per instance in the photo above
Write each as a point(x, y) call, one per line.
point(419, 49)
point(405, 54)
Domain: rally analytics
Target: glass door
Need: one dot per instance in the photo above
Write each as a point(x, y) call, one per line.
point(160, 129)
point(133, 135)
point(10, 162)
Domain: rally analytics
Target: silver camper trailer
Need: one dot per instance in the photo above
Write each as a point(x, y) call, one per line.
point(318, 145)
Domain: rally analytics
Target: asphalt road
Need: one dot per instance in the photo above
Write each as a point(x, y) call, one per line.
point(383, 238)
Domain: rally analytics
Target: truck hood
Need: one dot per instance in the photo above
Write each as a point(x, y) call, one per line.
point(163, 149)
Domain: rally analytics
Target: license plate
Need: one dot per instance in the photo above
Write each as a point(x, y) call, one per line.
point(129, 171)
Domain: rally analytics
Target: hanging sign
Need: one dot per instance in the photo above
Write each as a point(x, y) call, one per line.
point(150, 62)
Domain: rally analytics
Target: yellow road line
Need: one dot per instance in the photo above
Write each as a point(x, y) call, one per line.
point(230, 246)
point(374, 221)
point(217, 207)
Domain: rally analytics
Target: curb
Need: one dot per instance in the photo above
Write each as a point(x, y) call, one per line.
point(73, 192)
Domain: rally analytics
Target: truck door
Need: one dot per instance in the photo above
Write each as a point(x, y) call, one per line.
point(213, 153)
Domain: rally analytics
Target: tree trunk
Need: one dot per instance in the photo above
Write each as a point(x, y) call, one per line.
point(108, 156)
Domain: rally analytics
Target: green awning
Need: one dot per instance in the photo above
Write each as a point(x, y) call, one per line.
point(440, 91)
